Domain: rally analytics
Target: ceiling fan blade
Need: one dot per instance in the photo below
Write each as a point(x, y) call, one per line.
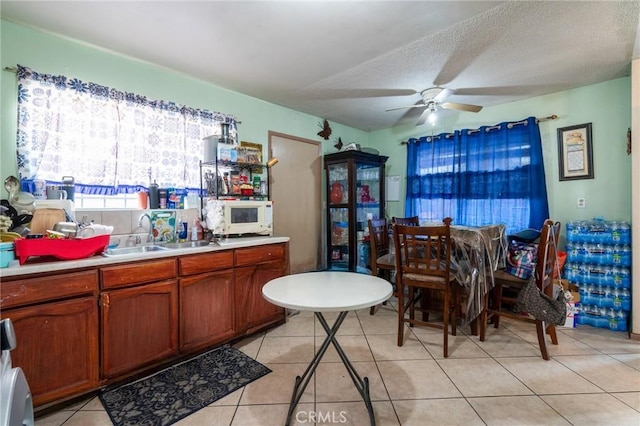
point(356, 93)
point(406, 107)
point(423, 117)
point(461, 107)
point(444, 94)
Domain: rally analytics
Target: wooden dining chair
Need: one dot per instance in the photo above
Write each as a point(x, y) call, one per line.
point(413, 220)
point(506, 287)
point(382, 261)
point(423, 262)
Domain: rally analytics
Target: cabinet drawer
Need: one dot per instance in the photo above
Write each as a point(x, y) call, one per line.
point(199, 263)
point(127, 274)
point(53, 287)
point(253, 255)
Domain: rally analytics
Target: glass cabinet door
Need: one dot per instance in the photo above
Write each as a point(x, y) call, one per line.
point(339, 238)
point(367, 205)
point(338, 184)
point(338, 197)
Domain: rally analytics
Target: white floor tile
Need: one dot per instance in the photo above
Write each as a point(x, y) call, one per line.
point(593, 378)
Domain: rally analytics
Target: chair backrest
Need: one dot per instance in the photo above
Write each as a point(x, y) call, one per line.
point(423, 249)
point(413, 220)
point(378, 238)
point(546, 262)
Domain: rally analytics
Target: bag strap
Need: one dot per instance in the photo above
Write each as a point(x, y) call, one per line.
point(567, 295)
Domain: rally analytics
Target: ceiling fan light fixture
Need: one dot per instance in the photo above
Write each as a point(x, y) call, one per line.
point(433, 100)
point(433, 118)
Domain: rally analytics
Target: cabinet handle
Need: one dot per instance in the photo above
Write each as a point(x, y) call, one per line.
point(104, 300)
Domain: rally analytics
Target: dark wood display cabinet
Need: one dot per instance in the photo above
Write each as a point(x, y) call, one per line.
point(355, 193)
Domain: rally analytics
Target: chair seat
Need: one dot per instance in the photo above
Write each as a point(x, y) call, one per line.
point(427, 278)
point(387, 261)
point(506, 278)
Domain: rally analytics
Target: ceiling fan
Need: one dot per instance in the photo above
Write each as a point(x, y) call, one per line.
point(432, 100)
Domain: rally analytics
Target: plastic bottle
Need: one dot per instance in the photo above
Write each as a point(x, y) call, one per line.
point(154, 200)
point(182, 234)
point(199, 230)
point(194, 230)
point(162, 196)
point(625, 300)
point(625, 233)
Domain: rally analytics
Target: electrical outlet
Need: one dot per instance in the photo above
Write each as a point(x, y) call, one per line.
point(582, 203)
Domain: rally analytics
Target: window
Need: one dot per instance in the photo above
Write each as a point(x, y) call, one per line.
point(98, 201)
point(490, 175)
point(112, 142)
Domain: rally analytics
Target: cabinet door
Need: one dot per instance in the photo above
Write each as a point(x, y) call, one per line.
point(252, 310)
point(139, 326)
point(206, 309)
point(57, 347)
point(368, 204)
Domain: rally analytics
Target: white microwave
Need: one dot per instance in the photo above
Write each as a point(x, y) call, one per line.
point(241, 217)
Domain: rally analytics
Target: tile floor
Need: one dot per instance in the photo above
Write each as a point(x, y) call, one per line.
point(593, 378)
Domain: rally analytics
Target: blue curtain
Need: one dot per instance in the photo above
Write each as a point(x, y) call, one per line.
point(494, 174)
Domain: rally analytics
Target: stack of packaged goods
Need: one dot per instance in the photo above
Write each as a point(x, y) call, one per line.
point(599, 263)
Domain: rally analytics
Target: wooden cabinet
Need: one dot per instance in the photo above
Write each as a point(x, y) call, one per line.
point(206, 300)
point(139, 324)
point(57, 337)
point(78, 331)
point(355, 191)
point(256, 266)
point(128, 274)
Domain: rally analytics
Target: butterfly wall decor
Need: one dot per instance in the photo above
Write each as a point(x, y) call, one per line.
point(326, 130)
point(338, 144)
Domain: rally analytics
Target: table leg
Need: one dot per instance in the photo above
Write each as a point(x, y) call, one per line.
point(362, 384)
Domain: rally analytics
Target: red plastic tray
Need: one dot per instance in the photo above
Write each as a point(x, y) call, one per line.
point(76, 248)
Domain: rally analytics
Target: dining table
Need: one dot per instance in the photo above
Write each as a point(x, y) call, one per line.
point(477, 252)
point(322, 292)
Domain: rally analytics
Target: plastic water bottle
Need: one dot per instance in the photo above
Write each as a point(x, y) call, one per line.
point(625, 300)
point(607, 275)
point(625, 233)
point(570, 229)
point(612, 319)
point(583, 290)
point(616, 298)
point(623, 279)
point(603, 316)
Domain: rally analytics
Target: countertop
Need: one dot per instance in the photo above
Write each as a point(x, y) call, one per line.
point(35, 267)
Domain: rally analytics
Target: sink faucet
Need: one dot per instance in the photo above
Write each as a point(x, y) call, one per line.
point(150, 234)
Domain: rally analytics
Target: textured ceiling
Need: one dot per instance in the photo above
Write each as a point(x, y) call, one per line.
point(349, 61)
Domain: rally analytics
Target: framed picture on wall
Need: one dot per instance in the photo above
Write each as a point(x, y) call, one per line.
point(575, 152)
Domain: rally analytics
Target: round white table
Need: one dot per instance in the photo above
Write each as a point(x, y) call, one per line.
point(328, 291)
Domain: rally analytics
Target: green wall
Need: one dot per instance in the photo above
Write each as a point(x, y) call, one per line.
point(52, 54)
point(607, 105)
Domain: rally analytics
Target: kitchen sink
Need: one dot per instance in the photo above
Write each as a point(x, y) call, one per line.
point(155, 247)
point(185, 244)
point(131, 250)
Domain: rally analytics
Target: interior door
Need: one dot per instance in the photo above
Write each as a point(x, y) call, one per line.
point(296, 182)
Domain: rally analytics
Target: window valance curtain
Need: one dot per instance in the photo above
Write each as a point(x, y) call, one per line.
point(110, 141)
point(494, 174)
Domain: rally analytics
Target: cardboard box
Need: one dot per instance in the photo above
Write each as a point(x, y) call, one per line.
point(570, 320)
